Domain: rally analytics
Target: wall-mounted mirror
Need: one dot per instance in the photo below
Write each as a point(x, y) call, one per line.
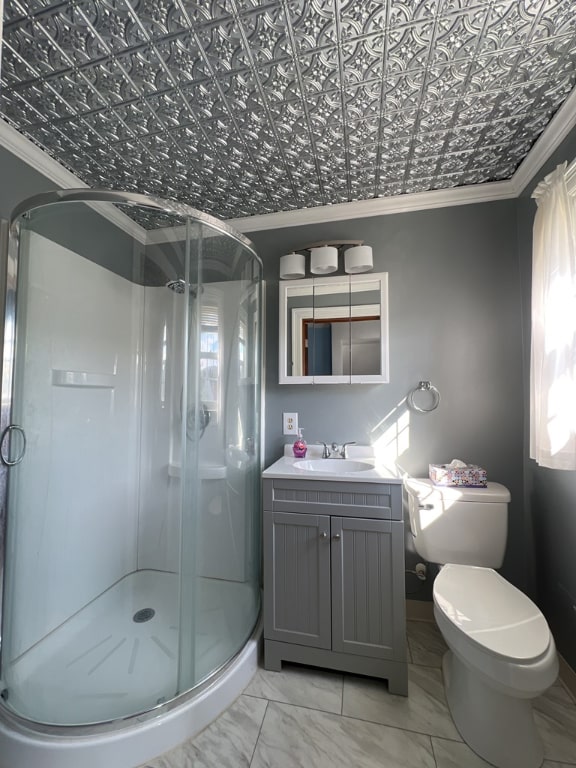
point(334, 330)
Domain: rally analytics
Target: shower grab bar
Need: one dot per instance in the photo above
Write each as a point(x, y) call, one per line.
point(8, 431)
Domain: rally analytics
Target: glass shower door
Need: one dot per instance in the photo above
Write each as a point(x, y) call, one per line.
point(131, 572)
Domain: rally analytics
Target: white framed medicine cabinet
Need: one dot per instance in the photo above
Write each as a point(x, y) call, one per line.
point(334, 330)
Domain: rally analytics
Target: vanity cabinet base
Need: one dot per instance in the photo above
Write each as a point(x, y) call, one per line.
point(396, 672)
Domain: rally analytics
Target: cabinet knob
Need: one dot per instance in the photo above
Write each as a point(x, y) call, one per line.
point(323, 535)
point(336, 536)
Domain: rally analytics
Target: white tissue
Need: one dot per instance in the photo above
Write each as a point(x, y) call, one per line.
point(457, 464)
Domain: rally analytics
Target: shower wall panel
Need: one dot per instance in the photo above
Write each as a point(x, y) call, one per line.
point(159, 526)
point(223, 519)
point(77, 397)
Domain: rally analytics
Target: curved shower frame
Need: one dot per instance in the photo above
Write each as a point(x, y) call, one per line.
point(136, 736)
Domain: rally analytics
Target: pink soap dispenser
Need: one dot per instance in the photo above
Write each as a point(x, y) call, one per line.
point(299, 448)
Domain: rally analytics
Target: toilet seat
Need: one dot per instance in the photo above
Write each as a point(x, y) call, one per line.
point(491, 612)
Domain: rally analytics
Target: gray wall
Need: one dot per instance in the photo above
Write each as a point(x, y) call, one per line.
point(550, 495)
point(455, 320)
point(19, 181)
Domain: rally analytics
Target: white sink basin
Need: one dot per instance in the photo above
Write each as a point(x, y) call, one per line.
point(333, 466)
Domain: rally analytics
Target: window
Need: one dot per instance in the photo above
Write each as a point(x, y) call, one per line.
point(553, 349)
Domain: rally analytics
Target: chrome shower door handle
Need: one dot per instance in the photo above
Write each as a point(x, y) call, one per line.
point(5, 442)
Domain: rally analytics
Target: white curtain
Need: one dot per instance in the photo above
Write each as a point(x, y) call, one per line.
point(553, 353)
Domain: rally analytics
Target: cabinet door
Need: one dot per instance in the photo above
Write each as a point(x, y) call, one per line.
point(368, 611)
point(297, 578)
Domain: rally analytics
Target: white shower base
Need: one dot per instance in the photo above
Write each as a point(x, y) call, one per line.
point(101, 665)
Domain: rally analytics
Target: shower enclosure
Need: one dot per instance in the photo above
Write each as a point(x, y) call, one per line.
point(130, 458)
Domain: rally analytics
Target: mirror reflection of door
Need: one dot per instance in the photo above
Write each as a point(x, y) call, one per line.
point(341, 346)
point(331, 306)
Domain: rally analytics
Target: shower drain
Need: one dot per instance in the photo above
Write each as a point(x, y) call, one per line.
point(144, 614)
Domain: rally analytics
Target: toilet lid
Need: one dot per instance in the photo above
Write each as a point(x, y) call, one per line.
point(491, 612)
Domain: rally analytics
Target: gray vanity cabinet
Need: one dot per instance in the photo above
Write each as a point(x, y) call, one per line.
point(297, 569)
point(334, 577)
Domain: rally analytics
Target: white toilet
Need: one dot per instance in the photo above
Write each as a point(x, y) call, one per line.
point(501, 651)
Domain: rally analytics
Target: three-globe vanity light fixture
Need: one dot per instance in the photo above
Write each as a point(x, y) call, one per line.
point(324, 259)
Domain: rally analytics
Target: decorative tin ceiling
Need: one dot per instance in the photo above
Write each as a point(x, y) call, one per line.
point(243, 107)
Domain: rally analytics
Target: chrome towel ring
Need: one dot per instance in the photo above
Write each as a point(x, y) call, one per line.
point(433, 398)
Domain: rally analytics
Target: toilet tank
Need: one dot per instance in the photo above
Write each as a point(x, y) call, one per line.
point(468, 526)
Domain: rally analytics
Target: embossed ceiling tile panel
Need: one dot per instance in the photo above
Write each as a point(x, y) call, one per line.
point(15, 68)
point(205, 11)
point(362, 132)
point(511, 25)
point(367, 155)
point(446, 82)
point(107, 127)
point(363, 59)
point(157, 18)
point(16, 110)
point(395, 151)
point(202, 101)
point(265, 34)
point(472, 110)
point(168, 108)
point(398, 125)
point(313, 24)
point(493, 72)
point(109, 82)
point(141, 68)
point(54, 141)
point(417, 185)
point(182, 58)
point(247, 6)
point(457, 35)
point(469, 136)
point(31, 43)
point(449, 180)
point(279, 84)
point(489, 157)
point(47, 104)
point(159, 149)
point(423, 168)
point(222, 47)
point(456, 162)
point(409, 47)
point(558, 18)
point(72, 36)
point(319, 70)
point(116, 26)
point(430, 143)
point(392, 172)
point(404, 92)
point(362, 104)
point(391, 189)
point(74, 91)
point(369, 14)
point(137, 117)
point(15, 11)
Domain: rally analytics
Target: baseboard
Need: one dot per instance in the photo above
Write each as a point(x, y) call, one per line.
point(419, 610)
point(567, 676)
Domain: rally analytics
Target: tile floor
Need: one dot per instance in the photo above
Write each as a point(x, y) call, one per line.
point(307, 718)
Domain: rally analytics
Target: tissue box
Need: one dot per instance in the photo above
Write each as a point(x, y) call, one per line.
point(469, 476)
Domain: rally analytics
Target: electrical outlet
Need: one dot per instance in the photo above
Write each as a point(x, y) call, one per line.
point(290, 423)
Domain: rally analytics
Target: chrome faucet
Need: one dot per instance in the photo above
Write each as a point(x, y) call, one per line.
point(339, 449)
point(326, 453)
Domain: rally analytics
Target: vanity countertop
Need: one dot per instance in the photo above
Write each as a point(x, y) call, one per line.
point(289, 467)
